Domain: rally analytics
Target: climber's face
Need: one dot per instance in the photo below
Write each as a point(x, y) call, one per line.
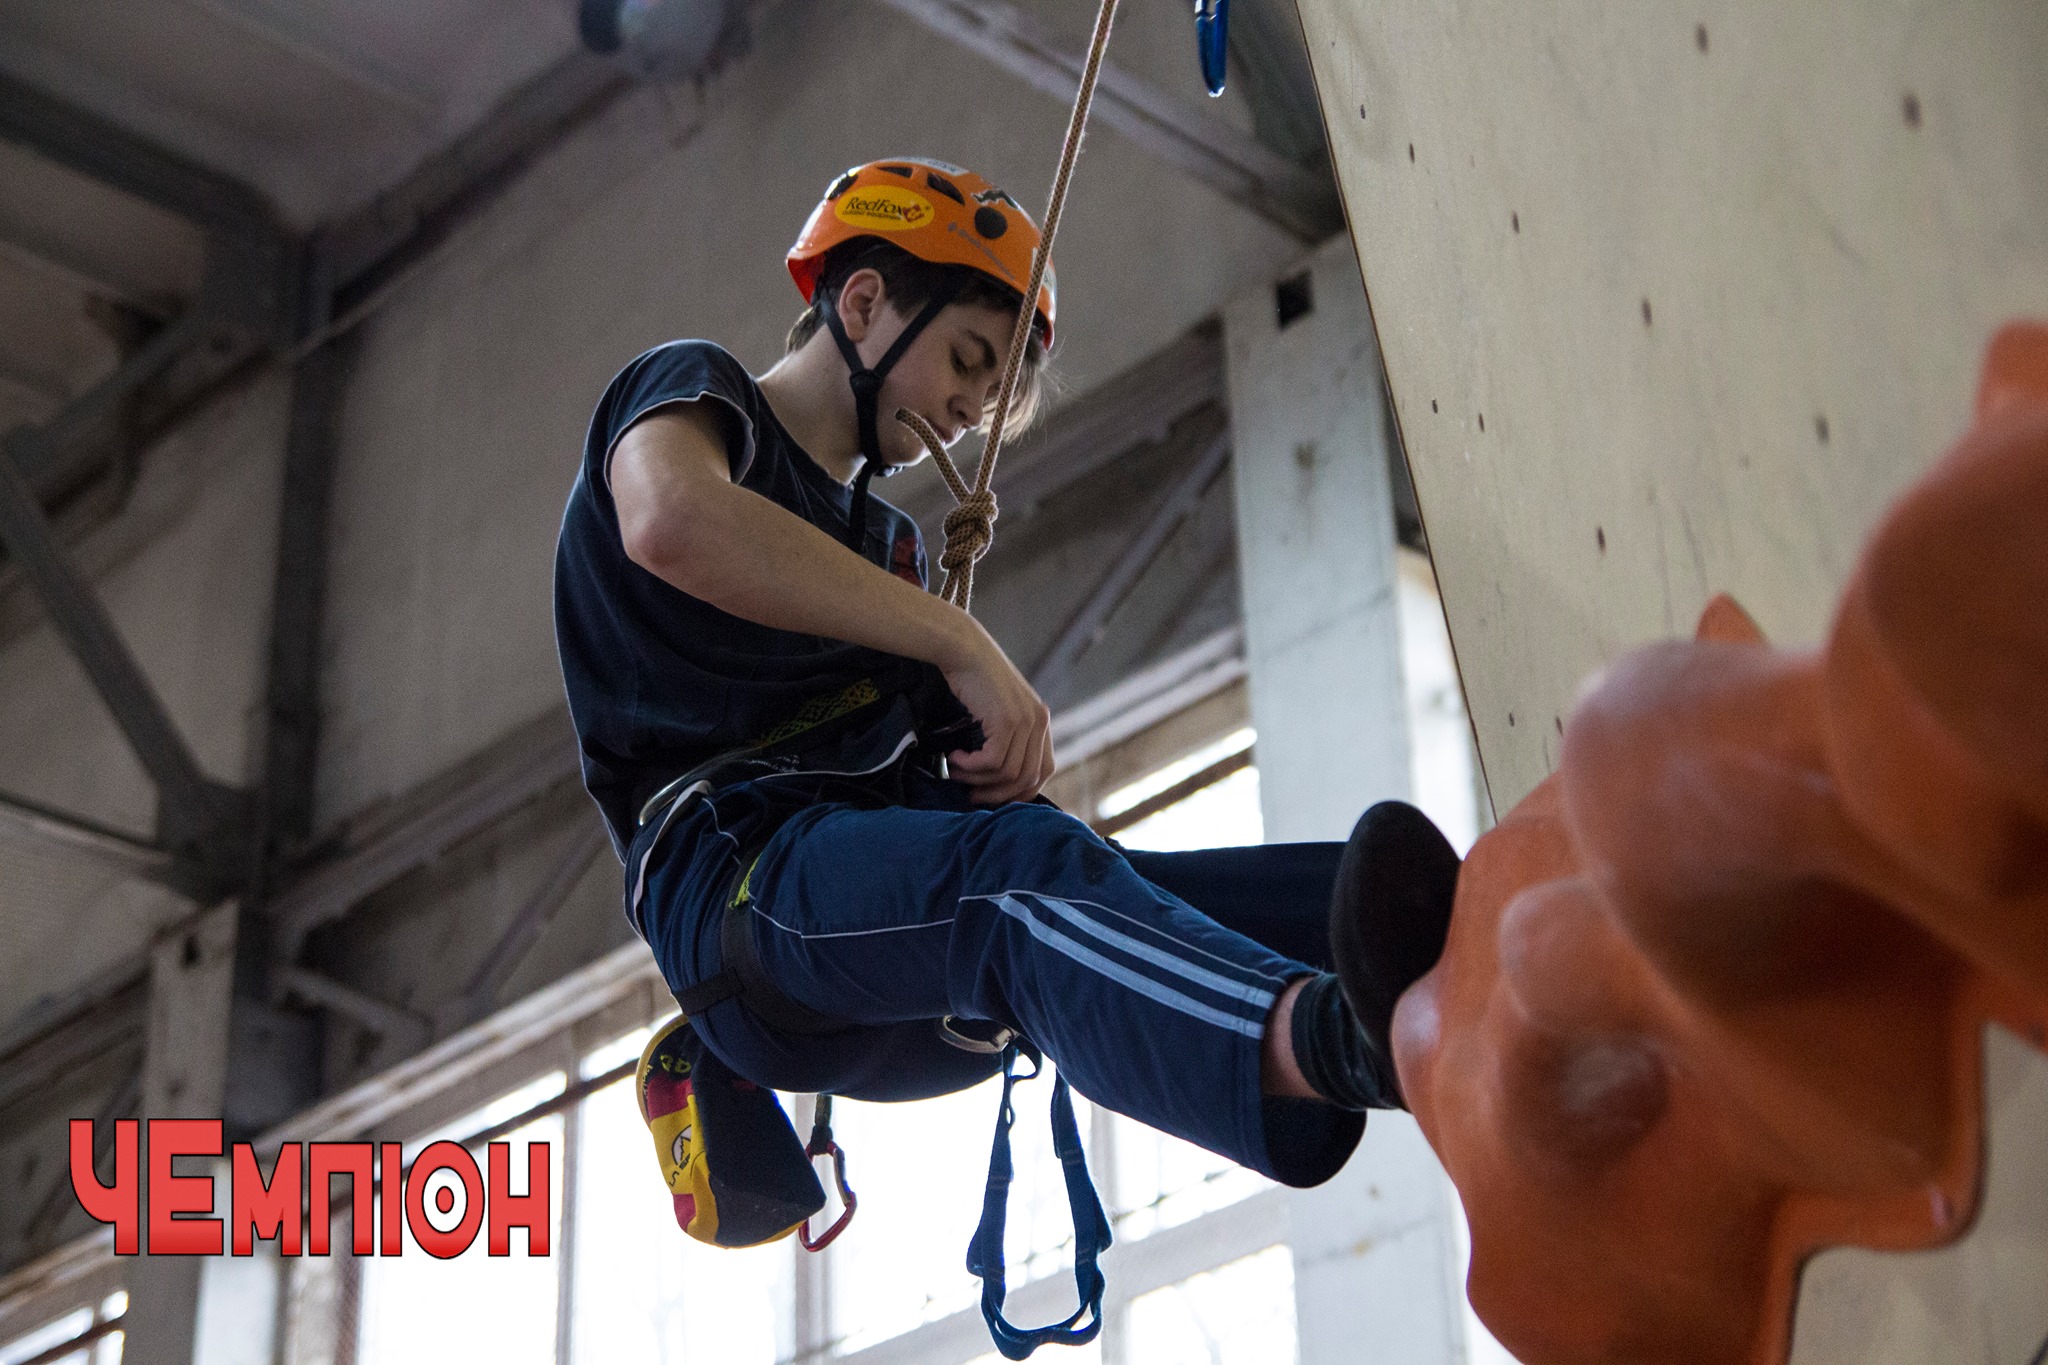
point(949, 376)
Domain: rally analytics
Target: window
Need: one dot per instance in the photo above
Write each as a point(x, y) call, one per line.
point(919, 1170)
point(1207, 799)
point(417, 1310)
point(1237, 1314)
point(641, 1289)
point(96, 1332)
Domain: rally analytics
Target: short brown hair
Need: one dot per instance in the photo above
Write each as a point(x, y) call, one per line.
point(910, 283)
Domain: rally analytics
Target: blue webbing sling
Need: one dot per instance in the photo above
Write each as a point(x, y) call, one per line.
point(1091, 1226)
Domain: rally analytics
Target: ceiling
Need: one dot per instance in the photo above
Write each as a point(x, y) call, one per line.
point(314, 103)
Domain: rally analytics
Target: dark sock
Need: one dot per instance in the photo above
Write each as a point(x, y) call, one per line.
point(1340, 1062)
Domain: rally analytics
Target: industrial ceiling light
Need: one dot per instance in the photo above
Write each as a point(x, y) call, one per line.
point(658, 39)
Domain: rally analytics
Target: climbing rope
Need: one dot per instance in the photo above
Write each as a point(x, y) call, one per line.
point(970, 526)
point(970, 530)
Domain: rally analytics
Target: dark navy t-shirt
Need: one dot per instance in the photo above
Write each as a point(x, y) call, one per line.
point(659, 681)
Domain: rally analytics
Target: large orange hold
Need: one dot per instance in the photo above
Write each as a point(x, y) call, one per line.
point(1714, 993)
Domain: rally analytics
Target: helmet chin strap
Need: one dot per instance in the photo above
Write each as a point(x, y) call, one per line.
point(866, 382)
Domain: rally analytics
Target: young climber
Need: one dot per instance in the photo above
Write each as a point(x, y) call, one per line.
point(821, 777)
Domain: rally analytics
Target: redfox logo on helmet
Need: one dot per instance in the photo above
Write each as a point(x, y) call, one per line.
point(884, 207)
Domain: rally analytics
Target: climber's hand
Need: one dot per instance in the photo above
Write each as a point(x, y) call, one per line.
point(1015, 758)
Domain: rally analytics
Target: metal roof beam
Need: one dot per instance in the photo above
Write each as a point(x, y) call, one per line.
point(46, 255)
point(114, 1024)
point(291, 740)
point(370, 251)
point(112, 155)
point(59, 832)
point(1229, 161)
point(534, 760)
point(407, 1031)
point(44, 455)
point(1056, 668)
point(480, 996)
point(196, 815)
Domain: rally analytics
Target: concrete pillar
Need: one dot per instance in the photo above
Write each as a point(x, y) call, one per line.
point(184, 1075)
point(1375, 1250)
point(1315, 528)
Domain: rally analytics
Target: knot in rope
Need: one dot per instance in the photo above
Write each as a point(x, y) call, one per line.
point(970, 530)
point(970, 527)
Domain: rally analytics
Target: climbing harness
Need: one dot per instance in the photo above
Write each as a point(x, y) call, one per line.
point(1091, 1225)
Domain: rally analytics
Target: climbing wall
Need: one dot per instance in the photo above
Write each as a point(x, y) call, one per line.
point(1673, 300)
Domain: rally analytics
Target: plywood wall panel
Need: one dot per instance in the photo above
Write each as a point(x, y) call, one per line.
point(1674, 300)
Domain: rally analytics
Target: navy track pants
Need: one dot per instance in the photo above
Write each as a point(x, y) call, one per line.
point(1145, 977)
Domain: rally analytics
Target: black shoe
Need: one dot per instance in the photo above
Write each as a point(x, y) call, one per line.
point(1389, 915)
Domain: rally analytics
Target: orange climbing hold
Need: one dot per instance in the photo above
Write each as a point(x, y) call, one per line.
point(1714, 993)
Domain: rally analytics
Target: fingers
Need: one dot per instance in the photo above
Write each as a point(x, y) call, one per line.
point(1016, 772)
point(1015, 758)
point(994, 784)
point(991, 789)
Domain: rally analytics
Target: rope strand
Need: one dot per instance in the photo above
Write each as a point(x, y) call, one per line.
point(970, 527)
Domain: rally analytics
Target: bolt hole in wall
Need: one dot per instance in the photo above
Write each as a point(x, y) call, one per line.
point(1293, 299)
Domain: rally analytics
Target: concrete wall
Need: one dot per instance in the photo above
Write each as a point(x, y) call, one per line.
point(1376, 1249)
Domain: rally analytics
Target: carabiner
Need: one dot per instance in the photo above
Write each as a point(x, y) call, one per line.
point(1212, 40)
point(822, 1144)
point(847, 1197)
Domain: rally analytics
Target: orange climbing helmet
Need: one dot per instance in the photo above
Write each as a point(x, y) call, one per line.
point(936, 212)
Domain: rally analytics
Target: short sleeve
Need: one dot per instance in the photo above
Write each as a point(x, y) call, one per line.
point(682, 372)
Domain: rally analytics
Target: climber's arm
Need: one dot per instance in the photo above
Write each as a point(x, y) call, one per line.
point(684, 520)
